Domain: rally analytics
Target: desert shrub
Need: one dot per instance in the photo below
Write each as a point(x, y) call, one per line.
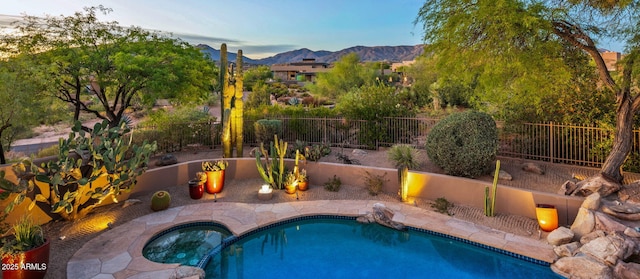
point(374, 183)
point(464, 144)
point(442, 205)
point(317, 151)
point(48, 151)
point(266, 128)
point(333, 184)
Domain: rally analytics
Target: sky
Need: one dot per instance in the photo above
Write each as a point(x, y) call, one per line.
point(261, 28)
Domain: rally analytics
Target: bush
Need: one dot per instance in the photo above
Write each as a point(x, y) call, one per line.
point(266, 128)
point(333, 184)
point(374, 183)
point(464, 144)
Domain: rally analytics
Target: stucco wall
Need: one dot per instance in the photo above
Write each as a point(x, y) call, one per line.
point(421, 185)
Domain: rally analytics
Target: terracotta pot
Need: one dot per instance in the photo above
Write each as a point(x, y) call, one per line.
point(303, 186)
point(290, 189)
point(215, 181)
point(196, 190)
point(31, 264)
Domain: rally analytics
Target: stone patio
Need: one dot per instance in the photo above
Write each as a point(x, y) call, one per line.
point(117, 253)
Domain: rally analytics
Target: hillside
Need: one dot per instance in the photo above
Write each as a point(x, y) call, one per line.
point(367, 54)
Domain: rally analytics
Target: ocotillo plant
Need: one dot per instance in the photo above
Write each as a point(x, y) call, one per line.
point(232, 104)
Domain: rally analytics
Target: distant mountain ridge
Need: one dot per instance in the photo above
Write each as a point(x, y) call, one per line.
point(367, 54)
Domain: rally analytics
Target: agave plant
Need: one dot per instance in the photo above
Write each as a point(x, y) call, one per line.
point(404, 157)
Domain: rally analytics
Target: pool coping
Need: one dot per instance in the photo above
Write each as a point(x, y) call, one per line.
point(117, 253)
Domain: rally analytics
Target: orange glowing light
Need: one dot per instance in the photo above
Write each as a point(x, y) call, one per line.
point(547, 217)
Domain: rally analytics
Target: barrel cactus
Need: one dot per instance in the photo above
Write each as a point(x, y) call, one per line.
point(160, 201)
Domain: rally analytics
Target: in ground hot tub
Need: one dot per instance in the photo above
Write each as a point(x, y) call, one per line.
point(185, 244)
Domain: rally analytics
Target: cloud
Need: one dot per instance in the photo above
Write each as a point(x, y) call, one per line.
point(249, 49)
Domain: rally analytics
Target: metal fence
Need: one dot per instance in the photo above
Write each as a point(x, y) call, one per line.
point(551, 142)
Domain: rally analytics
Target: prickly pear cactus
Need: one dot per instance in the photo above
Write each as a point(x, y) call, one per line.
point(160, 201)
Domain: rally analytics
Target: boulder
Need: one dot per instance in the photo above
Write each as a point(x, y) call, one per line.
point(567, 188)
point(384, 216)
point(584, 223)
point(359, 152)
point(503, 175)
point(581, 267)
point(599, 184)
point(609, 249)
point(591, 236)
point(560, 236)
point(627, 270)
point(167, 159)
point(567, 250)
point(592, 202)
point(533, 168)
point(630, 193)
point(606, 223)
point(632, 232)
point(623, 212)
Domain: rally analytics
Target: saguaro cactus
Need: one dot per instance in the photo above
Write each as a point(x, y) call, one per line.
point(232, 105)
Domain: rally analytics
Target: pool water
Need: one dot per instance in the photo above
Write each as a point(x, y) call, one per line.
point(339, 248)
point(185, 244)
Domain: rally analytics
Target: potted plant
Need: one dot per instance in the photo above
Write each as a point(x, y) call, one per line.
point(290, 183)
point(215, 175)
point(196, 185)
point(25, 254)
point(303, 183)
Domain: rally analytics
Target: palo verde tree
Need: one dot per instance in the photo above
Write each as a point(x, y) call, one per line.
point(22, 105)
point(347, 74)
point(523, 51)
point(93, 62)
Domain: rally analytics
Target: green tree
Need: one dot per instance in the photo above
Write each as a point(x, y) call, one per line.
point(372, 102)
point(255, 75)
point(346, 74)
point(103, 62)
point(22, 105)
point(519, 52)
point(422, 75)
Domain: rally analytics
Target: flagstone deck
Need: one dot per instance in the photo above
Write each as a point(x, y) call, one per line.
point(117, 253)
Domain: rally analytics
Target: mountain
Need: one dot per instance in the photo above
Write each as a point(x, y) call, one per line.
point(367, 54)
point(231, 57)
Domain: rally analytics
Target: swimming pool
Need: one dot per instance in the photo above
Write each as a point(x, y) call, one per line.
point(340, 247)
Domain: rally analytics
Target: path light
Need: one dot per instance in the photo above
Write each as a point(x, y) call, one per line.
point(265, 192)
point(547, 217)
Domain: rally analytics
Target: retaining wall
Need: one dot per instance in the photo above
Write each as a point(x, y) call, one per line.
point(422, 185)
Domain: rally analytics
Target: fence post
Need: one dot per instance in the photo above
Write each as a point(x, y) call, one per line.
point(551, 142)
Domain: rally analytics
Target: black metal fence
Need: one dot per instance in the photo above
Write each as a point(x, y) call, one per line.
point(552, 142)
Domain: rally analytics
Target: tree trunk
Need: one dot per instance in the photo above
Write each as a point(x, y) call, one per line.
point(3, 160)
point(622, 141)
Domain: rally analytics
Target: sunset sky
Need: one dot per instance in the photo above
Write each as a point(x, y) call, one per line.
point(260, 28)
